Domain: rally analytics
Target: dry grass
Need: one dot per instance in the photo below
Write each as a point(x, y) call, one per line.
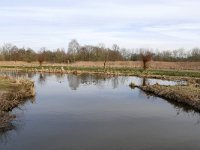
point(186, 94)
point(12, 93)
point(134, 64)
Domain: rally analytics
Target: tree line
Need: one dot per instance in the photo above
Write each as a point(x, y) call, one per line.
point(76, 52)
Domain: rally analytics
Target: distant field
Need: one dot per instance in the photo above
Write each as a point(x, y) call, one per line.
point(136, 64)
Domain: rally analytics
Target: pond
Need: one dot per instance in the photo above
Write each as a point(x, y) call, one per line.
point(94, 112)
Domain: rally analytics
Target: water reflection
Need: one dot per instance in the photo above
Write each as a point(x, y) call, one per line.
point(115, 82)
point(75, 81)
point(4, 133)
point(179, 107)
point(144, 82)
point(18, 74)
point(96, 112)
point(11, 127)
point(11, 122)
point(5, 123)
point(42, 78)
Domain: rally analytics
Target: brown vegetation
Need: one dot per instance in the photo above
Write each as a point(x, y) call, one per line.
point(186, 94)
point(131, 64)
point(41, 58)
point(146, 57)
point(12, 93)
point(77, 52)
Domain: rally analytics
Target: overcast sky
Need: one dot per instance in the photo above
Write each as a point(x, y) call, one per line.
point(162, 24)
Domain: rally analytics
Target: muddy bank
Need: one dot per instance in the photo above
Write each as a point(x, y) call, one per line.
point(13, 92)
point(185, 94)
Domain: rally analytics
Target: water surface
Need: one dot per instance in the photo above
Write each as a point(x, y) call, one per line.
point(91, 112)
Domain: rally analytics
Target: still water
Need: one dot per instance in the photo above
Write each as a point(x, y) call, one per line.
point(90, 112)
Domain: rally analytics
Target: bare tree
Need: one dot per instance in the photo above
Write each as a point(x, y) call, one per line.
point(73, 48)
point(41, 56)
point(105, 59)
point(7, 48)
point(115, 47)
point(146, 57)
point(101, 46)
point(14, 53)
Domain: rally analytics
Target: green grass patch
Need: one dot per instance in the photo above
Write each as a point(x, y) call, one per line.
point(121, 70)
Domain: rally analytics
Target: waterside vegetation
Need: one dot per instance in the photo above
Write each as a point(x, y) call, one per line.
point(186, 94)
point(13, 92)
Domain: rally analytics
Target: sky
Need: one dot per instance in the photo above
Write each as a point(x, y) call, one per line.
point(156, 24)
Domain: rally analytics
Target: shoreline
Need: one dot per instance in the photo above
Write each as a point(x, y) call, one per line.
point(13, 92)
point(183, 94)
point(166, 92)
point(184, 75)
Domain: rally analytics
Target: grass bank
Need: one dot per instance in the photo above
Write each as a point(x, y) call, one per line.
point(127, 71)
point(185, 94)
point(13, 92)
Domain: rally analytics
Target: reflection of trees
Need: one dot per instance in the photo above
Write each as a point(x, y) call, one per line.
point(73, 81)
point(15, 74)
point(123, 79)
point(18, 74)
point(115, 82)
point(10, 122)
point(144, 82)
point(31, 75)
point(42, 79)
point(60, 77)
point(99, 80)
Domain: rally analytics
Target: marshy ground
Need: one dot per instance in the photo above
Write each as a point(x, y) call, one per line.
point(114, 68)
point(184, 71)
point(102, 109)
point(13, 92)
point(186, 94)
